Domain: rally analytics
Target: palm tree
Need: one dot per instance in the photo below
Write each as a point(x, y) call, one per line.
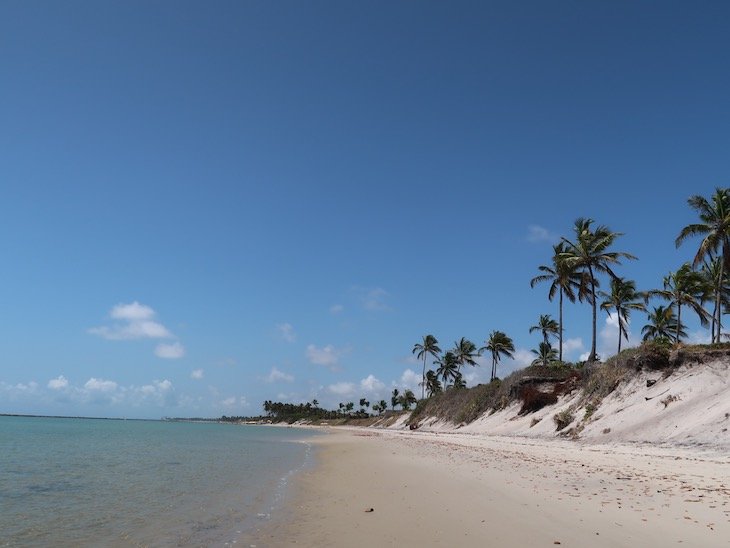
point(547, 326)
point(465, 352)
point(564, 280)
point(429, 346)
point(589, 254)
point(433, 384)
point(684, 287)
point(448, 368)
point(545, 354)
point(383, 405)
point(716, 278)
point(407, 399)
point(364, 404)
point(499, 345)
point(662, 325)
point(459, 381)
point(623, 299)
point(394, 398)
point(715, 227)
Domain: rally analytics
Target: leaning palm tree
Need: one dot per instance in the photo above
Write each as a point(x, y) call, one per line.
point(429, 345)
point(545, 354)
point(684, 287)
point(465, 352)
point(547, 326)
point(590, 254)
point(623, 299)
point(715, 227)
point(564, 280)
point(662, 325)
point(498, 345)
point(433, 384)
point(448, 369)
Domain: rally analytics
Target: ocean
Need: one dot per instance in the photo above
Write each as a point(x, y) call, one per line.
point(89, 482)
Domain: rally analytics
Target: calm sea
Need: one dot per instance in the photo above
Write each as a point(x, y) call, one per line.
point(83, 482)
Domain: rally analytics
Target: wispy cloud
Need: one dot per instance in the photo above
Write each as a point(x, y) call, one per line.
point(341, 389)
point(286, 332)
point(336, 309)
point(371, 385)
point(196, 374)
point(328, 356)
point(372, 298)
point(100, 385)
point(538, 234)
point(275, 375)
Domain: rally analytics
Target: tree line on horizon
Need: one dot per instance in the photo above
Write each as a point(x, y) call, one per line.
point(574, 274)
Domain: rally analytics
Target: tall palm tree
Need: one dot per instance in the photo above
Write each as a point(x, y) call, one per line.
point(429, 345)
point(714, 215)
point(447, 367)
point(623, 299)
point(498, 345)
point(716, 278)
point(684, 287)
point(433, 384)
point(394, 398)
point(545, 354)
point(590, 254)
point(547, 326)
point(564, 280)
point(465, 352)
point(662, 325)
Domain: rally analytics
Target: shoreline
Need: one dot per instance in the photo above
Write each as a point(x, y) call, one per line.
point(435, 489)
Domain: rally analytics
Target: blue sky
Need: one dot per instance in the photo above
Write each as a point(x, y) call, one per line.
point(208, 205)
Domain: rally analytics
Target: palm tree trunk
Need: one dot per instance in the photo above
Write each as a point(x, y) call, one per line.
point(592, 355)
point(619, 333)
point(718, 299)
point(679, 319)
point(714, 321)
point(423, 378)
point(560, 314)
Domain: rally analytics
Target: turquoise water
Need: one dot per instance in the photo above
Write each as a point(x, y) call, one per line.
point(82, 482)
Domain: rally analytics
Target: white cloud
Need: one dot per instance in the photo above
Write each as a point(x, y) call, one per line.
point(336, 309)
point(196, 374)
point(522, 358)
point(100, 385)
point(584, 356)
point(409, 380)
point(371, 385)
point(59, 383)
point(341, 388)
point(538, 234)
point(328, 356)
point(136, 321)
point(171, 351)
point(132, 312)
point(286, 331)
point(275, 376)
point(571, 345)
point(608, 338)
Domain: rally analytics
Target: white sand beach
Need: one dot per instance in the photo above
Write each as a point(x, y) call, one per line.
point(436, 489)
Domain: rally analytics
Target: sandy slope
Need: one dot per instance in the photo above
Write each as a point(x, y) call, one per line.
point(429, 489)
point(690, 407)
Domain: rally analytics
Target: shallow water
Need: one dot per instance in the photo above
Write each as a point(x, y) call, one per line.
point(71, 482)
